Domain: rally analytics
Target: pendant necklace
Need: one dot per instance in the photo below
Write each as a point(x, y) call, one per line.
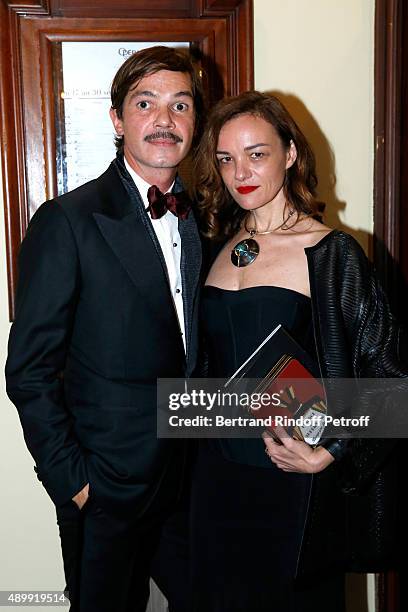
point(246, 251)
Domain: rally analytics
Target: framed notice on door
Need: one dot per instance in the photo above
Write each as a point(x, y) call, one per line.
point(84, 132)
point(58, 60)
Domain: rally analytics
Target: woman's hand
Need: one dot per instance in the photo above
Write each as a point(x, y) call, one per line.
point(294, 455)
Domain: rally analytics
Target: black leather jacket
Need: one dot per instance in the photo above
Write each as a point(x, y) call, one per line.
point(350, 523)
point(356, 336)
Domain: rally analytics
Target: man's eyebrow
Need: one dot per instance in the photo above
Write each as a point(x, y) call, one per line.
point(181, 94)
point(149, 94)
point(146, 93)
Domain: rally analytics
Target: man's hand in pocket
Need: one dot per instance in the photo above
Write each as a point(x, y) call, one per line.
point(82, 497)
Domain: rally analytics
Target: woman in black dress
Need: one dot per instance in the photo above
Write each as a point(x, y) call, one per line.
point(260, 519)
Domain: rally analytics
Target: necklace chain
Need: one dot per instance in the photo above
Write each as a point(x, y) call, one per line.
point(246, 251)
point(252, 231)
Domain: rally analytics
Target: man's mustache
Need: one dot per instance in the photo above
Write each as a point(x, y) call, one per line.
point(163, 135)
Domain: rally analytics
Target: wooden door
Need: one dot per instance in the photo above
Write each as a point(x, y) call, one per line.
point(391, 229)
point(221, 32)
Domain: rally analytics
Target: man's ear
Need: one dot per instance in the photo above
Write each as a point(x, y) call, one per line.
point(291, 155)
point(117, 123)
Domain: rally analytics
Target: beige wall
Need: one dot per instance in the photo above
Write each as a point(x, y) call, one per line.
point(319, 55)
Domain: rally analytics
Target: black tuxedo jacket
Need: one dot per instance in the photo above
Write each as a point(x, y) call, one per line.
point(95, 327)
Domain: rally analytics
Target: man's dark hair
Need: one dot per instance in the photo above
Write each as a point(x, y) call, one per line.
point(149, 61)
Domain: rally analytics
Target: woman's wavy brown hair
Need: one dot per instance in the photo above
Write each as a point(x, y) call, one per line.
point(220, 214)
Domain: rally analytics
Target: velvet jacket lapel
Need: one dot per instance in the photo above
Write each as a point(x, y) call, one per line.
point(128, 231)
point(120, 222)
point(190, 273)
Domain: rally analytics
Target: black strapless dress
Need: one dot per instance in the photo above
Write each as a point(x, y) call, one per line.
point(247, 515)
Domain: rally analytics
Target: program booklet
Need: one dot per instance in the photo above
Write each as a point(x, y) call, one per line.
point(282, 370)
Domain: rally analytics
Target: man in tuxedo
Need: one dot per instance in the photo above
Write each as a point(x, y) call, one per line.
point(106, 304)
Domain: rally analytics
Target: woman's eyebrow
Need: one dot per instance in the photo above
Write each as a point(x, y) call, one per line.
point(259, 144)
point(254, 146)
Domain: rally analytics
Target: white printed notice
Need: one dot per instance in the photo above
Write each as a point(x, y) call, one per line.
point(86, 144)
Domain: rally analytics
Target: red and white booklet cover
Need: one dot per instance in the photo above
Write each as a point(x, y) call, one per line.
point(279, 367)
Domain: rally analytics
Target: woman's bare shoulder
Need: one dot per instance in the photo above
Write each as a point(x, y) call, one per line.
point(311, 231)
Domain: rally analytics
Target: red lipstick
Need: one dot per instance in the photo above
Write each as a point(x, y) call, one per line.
point(247, 189)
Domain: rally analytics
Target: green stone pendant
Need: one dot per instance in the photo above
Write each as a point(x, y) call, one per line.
point(244, 253)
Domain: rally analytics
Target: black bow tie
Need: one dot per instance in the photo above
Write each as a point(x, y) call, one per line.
point(159, 203)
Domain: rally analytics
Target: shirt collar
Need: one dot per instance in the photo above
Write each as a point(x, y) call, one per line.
point(141, 184)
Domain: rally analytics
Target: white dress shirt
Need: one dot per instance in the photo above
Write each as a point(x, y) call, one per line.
point(166, 229)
